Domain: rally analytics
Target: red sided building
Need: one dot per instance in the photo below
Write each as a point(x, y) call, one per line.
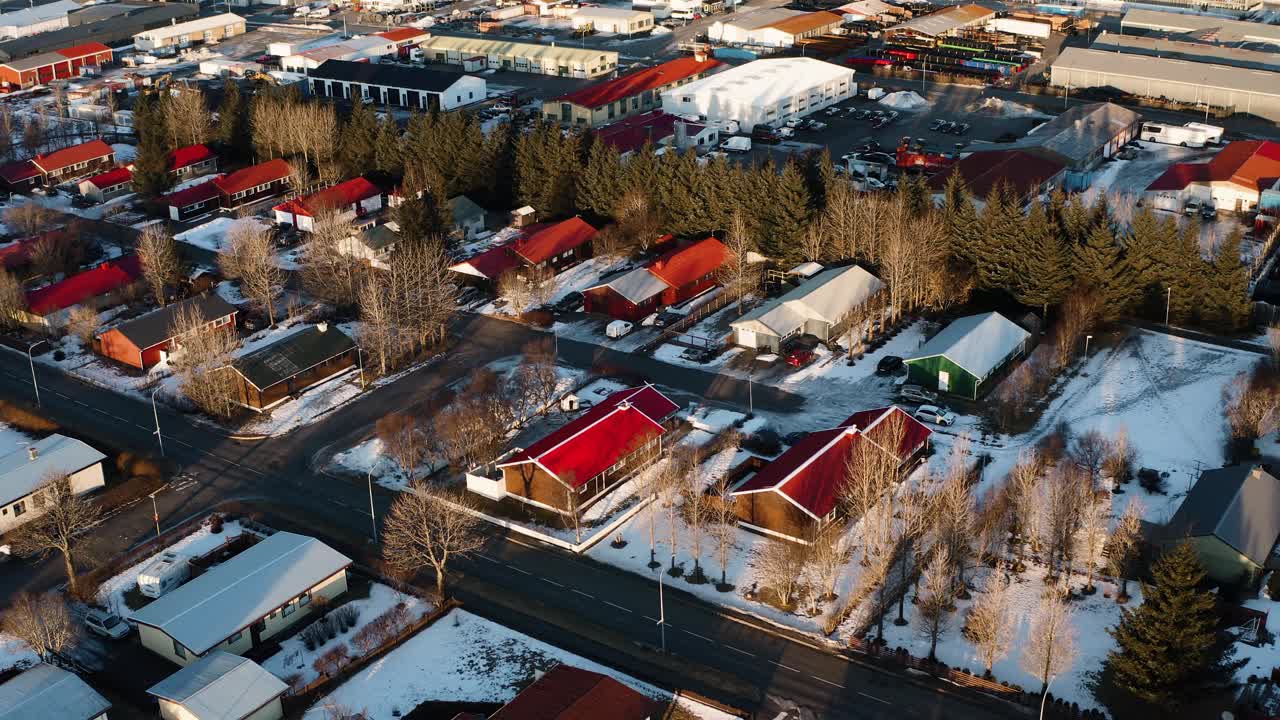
point(577, 464)
point(357, 196)
point(48, 305)
point(555, 245)
point(229, 191)
point(634, 92)
point(110, 184)
point(671, 279)
point(56, 65)
point(59, 166)
point(570, 693)
point(796, 495)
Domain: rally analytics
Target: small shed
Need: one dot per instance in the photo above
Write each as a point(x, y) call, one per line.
point(968, 355)
point(220, 686)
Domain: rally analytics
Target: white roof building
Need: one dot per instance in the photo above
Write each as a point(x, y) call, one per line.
point(612, 20)
point(765, 92)
point(220, 686)
point(977, 343)
point(230, 597)
point(205, 29)
point(38, 19)
point(815, 307)
point(50, 693)
point(24, 470)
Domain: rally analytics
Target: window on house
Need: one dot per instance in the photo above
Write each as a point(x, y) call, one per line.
point(236, 637)
point(179, 650)
point(304, 599)
point(19, 508)
point(288, 610)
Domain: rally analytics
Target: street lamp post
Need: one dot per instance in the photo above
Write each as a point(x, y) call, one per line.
point(155, 511)
point(1045, 696)
point(662, 615)
point(373, 519)
point(156, 414)
point(360, 357)
point(1087, 338)
point(30, 360)
point(1168, 299)
point(751, 405)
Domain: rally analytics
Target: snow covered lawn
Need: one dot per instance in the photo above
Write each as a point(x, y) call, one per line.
point(213, 235)
point(15, 653)
point(294, 663)
point(111, 594)
point(461, 657)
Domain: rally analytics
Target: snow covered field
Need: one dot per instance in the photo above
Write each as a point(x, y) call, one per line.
point(111, 594)
point(461, 657)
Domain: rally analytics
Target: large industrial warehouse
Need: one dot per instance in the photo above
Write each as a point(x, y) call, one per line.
point(521, 57)
point(763, 92)
point(1252, 92)
point(1209, 27)
point(1189, 51)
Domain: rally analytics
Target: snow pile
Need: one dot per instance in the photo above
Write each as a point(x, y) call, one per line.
point(213, 235)
point(996, 107)
point(112, 591)
point(905, 100)
point(461, 657)
point(15, 653)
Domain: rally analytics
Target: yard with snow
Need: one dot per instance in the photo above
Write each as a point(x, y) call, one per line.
point(461, 657)
point(113, 591)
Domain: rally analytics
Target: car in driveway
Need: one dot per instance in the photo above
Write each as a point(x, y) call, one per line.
point(106, 624)
point(937, 123)
point(800, 357)
point(934, 414)
point(916, 393)
point(888, 365)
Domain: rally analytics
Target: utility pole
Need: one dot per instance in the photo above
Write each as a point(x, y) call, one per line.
point(1168, 299)
point(32, 362)
point(373, 519)
point(155, 414)
point(662, 614)
point(1087, 338)
point(155, 511)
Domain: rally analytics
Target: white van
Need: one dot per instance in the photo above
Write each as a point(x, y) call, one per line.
point(1213, 133)
point(1174, 135)
point(165, 573)
point(617, 328)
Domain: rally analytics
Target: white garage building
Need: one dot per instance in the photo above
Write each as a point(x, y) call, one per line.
point(619, 21)
point(763, 92)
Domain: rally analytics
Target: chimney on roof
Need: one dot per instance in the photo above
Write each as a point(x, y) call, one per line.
point(700, 55)
point(32, 452)
point(322, 326)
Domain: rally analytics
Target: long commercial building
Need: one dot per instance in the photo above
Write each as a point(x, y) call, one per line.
point(1252, 92)
point(1221, 29)
point(58, 65)
point(109, 24)
point(626, 95)
point(479, 53)
point(1191, 51)
point(38, 19)
point(763, 92)
point(773, 27)
point(395, 85)
point(196, 32)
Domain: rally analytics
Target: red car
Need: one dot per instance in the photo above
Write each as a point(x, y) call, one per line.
point(800, 357)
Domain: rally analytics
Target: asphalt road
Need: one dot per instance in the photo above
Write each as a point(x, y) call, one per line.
point(573, 602)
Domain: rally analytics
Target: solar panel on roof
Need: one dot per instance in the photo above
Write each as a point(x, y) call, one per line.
point(282, 365)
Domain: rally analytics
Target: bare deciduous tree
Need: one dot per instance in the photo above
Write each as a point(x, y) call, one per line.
point(1252, 406)
point(1093, 535)
point(779, 565)
point(82, 322)
point(403, 441)
point(990, 622)
point(1050, 647)
point(250, 257)
point(426, 529)
point(1122, 544)
point(29, 218)
point(827, 557)
point(13, 301)
point(1024, 493)
point(327, 272)
point(158, 253)
point(189, 119)
point(697, 513)
point(738, 274)
point(936, 599)
point(58, 528)
point(42, 621)
point(1089, 451)
point(200, 361)
point(1077, 315)
point(724, 527)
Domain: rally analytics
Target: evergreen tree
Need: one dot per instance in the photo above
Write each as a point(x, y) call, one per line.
point(151, 164)
point(1186, 276)
point(388, 156)
point(601, 183)
point(819, 176)
point(1043, 276)
point(1226, 307)
point(358, 140)
point(916, 194)
point(1168, 651)
point(1145, 248)
point(1097, 265)
point(233, 122)
point(999, 250)
point(1076, 221)
point(963, 226)
point(787, 216)
point(496, 181)
point(681, 204)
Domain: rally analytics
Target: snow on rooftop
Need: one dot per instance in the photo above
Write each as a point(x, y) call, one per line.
point(766, 82)
point(977, 343)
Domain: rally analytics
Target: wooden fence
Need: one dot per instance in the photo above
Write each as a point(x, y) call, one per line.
point(873, 651)
point(675, 330)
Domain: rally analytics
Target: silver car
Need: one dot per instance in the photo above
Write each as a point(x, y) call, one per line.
point(934, 414)
point(107, 624)
point(916, 393)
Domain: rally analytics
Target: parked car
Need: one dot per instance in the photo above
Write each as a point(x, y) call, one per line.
point(862, 115)
point(107, 624)
point(879, 122)
point(666, 317)
point(816, 125)
point(1208, 211)
point(937, 123)
point(617, 328)
point(934, 414)
point(1192, 207)
point(961, 129)
point(916, 393)
point(569, 303)
point(888, 365)
point(800, 357)
point(832, 111)
point(699, 355)
point(946, 127)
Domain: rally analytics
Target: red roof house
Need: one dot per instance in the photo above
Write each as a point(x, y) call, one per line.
point(639, 91)
point(59, 166)
point(654, 128)
point(1028, 173)
point(192, 160)
point(20, 175)
point(359, 197)
point(796, 495)
point(487, 266)
point(253, 183)
point(45, 305)
point(578, 463)
point(560, 245)
point(570, 693)
point(671, 279)
point(110, 184)
point(194, 201)
point(1233, 180)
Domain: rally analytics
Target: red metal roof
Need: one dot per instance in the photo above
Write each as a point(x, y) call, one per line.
point(569, 693)
point(625, 86)
point(107, 277)
point(652, 127)
point(402, 34)
point(188, 156)
point(688, 264)
point(582, 449)
point(812, 472)
point(251, 177)
point(490, 264)
point(983, 170)
point(1251, 163)
point(111, 178)
point(206, 190)
point(16, 254)
point(16, 172)
point(543, 241)
point(66, 157)
point(338, 196)
point(76, 52)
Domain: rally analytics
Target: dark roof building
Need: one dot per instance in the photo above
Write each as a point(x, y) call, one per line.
point(1027, 173)
point(397, 85)
point(292, 364)
point(1232, 517)
point(142, 342)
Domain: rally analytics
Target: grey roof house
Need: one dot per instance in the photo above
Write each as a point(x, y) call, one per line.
point(50, 693)
point(245, 600)
point(1082, 137)
point(468, 217)
point(1232, 518)
point(220, 686)
point(144, 341)
point(815, 307)
point(26, 471)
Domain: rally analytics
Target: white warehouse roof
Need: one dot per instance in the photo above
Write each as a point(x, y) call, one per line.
point(826, 297)
point(49, 693)
point(240, 591)
point(220, 685)
point(763, 83)
point(39, 13)
point(20, 474)
point(1215, 28)
point(1167, 70)
point(976, 343)
point(192, 26)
